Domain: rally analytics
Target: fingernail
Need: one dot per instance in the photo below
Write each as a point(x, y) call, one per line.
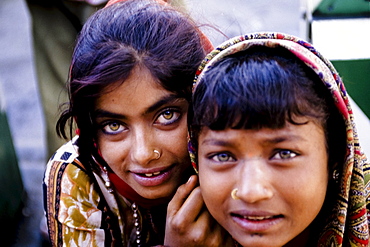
point(191, 177)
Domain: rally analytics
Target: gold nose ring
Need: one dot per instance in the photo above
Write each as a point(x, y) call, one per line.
point(158, 154)
point(233, 194)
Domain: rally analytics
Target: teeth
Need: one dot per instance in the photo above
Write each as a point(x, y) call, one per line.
point(256, 217)
point(152, 174)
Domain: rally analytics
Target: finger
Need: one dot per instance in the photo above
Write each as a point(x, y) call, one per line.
point(185, 217)
point(221, 236)
point(202, 231)
point(210, 233)
point(192, 206)
point(181, 195)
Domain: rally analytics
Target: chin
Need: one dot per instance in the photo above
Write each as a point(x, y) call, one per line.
point(258, 240)
point(154, 194)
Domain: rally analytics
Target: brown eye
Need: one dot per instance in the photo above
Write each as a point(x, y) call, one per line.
point(168, 117)
point(113, 128)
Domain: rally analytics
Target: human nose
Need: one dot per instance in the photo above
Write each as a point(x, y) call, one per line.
point(254, 182)
point(143, 148)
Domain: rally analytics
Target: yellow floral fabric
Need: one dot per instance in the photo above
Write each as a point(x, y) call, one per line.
point(75, 210)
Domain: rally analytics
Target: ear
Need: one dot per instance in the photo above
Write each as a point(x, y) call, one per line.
point(193, 155)
point(334, 173)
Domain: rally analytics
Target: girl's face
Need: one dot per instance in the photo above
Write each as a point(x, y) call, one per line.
point(135, 119)
point(280, 175)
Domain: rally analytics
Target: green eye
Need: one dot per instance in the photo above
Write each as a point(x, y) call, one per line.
point(222, 157)
point(284, 154)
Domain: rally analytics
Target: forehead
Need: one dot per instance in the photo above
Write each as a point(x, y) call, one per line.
point(310, 131)
point(138, 88)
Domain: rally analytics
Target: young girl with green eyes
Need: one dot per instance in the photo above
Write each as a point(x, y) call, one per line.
point(274, 140)
point(130, 84)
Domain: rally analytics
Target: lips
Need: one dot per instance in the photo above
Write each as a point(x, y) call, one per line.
point(151, 174)
point(153, 177)
point(257, 218)
point(256, 222)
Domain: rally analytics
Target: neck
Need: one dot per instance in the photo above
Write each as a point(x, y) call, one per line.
point(301, 240)
point(129, 193)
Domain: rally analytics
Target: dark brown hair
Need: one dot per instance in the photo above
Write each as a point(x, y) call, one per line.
point(112, 43)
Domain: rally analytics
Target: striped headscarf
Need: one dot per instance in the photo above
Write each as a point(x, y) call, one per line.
point(348, 224)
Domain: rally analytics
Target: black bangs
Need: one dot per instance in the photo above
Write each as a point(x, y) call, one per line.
point(254, 89)
point(266, 88)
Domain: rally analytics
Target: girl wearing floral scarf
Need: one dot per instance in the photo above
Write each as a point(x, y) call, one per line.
point(273, 133)
point(116, 182)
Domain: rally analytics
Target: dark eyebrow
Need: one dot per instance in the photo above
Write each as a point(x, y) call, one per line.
point(216, 142)
point(165, 100)
point(275, 140)
point(99, 113)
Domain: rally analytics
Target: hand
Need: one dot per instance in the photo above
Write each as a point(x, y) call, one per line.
point(189, 222)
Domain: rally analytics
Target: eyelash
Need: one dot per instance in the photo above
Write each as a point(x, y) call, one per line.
point(171, 111)
point(107, 126)
point(281, 151)
point(216, 157)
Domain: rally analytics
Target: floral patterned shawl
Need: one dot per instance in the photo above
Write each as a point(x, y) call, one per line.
point(348, 225)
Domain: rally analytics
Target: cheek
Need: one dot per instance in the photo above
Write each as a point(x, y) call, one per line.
point(111, 152)
point(175, 141)
point(317, 182)
point(216, 189)
point(309, 192)
point(311, 178)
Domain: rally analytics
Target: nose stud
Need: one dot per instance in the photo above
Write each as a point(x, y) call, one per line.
point(233, 194)
point(157, 153)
